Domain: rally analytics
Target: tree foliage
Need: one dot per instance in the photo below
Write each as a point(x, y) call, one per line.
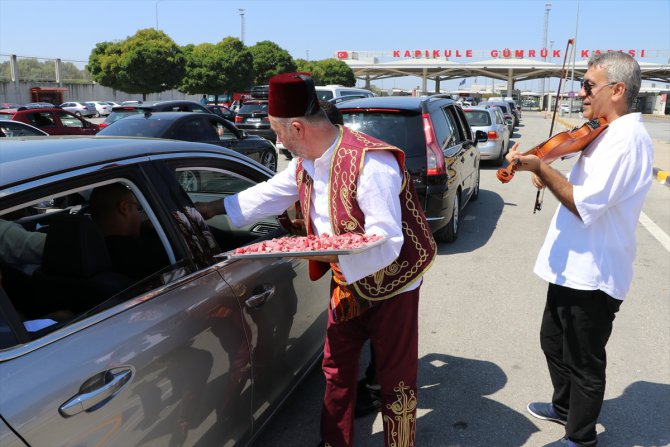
point(328, 71)
point(226, 66)
point(269, 60)
point(147, 62)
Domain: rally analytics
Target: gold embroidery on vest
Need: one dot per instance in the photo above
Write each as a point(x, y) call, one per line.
point(401, 428)
point(345, 185)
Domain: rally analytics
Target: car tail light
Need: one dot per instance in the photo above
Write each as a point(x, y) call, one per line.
point(266, 119)
point(434, 156)
point(103, 125)
point(493, 135)
point(239, 119)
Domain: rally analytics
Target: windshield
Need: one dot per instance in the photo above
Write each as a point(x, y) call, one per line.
point(136, 128)
point(401, 130)
point(478, 117)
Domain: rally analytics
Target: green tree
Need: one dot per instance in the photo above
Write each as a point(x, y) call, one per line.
point(328, 71)
point(147, 62)
point(103, 64)
point(269, 60)
point(226, 66)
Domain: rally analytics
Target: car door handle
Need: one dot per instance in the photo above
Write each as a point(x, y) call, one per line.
point(91, 396)
point(256, 301)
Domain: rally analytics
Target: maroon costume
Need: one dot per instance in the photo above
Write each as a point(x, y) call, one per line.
point(376, 307)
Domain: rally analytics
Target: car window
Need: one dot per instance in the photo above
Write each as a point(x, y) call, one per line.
point(195, 130)
point(454, 124)
point(498, 116)
point(404, 131)
point(41, 119)
point(224, 133)
point(16, 130)
point(324, 95)
point(478, 117)
point(135, 128)
point(253, 108)
point(443, 128)
point(80, 261)
point(353, 92)
point(68, 120)
point(204, 184)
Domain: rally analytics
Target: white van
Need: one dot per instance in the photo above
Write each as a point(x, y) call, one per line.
point(328, 92)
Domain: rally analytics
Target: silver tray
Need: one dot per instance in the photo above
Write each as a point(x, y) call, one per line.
point(283, 254)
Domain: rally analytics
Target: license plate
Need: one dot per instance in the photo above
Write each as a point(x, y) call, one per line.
point(253, 120)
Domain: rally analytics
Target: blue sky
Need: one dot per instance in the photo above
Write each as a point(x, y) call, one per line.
point(316, 29)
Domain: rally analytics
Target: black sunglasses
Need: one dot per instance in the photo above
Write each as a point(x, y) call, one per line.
point(588, 86)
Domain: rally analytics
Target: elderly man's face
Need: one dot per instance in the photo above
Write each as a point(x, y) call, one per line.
point(288, 135)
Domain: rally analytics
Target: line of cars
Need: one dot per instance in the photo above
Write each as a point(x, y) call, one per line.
point(200, 124)
point(205, 349)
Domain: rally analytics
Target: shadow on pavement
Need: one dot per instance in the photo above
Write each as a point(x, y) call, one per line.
point(478, 221)
point(454, 410)
point(639, 417)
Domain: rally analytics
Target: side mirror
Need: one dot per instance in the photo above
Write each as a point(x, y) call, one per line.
point(509, 121)
point(481, 136)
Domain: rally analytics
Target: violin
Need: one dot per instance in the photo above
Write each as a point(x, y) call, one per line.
point(560, 145)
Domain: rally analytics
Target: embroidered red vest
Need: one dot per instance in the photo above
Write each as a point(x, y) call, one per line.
point(418, 250)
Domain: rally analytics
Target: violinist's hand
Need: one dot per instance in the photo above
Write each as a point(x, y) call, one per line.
point(537, 181)
point(523, 162)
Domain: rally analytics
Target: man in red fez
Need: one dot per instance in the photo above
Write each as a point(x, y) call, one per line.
point(374, 294)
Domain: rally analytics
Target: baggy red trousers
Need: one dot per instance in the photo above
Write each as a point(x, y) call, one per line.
point(392, 327)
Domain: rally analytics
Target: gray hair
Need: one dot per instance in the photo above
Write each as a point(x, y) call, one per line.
point(317, 118)
point(620, 67)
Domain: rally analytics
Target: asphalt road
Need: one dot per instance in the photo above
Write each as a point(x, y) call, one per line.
point(480, 361)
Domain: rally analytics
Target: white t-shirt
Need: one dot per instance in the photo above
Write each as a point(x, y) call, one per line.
point(378, 195)
point(611, 180)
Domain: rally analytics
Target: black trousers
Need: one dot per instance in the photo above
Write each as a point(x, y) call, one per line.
point(575, 328)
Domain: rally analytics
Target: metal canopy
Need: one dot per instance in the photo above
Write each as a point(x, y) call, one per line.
point(511, 70)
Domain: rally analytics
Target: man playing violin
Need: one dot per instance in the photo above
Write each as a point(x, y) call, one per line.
point(587, 256)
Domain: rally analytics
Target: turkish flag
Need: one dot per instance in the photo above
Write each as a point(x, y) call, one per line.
point(342, 55)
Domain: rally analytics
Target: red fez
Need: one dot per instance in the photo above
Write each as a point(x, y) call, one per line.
point(292, 95)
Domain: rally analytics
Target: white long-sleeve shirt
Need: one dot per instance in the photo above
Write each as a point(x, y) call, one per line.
point(20, 246)
point(378, 195)
point(610, 182)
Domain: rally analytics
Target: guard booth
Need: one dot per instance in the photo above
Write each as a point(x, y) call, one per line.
point(54, 95)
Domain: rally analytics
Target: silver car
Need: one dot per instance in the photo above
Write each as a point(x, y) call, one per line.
point(79, 108)
point(490, 119)
point(102, 108)
point(200, 349)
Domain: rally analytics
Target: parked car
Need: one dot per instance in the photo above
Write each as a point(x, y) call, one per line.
point(101, 108)
point(507, 113)
point(54, 121)
point(38, 105)
point(440, 149)
point(112, 103)
point(490, 119)
point(253, 118)
point(79, 108)
point(9, 105)
point(160, 106)
point(9, 128)
point(222, 111)
point(201, 127)
point(201, 352)
point(328, 92)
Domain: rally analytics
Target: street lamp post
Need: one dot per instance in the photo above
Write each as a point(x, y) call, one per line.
point(547, 8)
point(241, 24)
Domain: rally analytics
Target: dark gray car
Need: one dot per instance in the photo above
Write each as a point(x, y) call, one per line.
point(201, 351)
point(195, 126)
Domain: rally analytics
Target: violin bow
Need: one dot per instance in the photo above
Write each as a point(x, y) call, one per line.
point(539, 197)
